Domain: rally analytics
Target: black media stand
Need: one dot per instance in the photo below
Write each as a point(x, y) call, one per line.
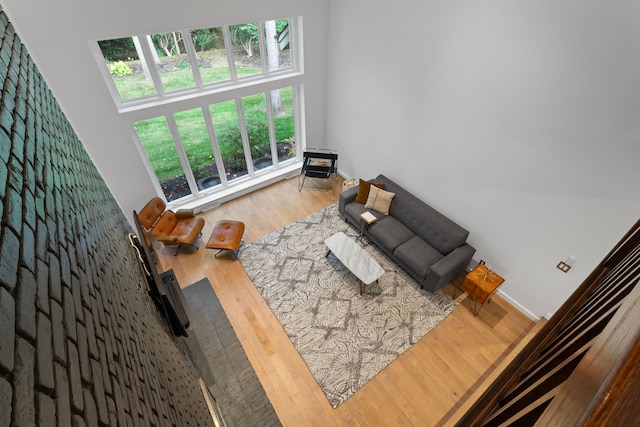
point(173, 303)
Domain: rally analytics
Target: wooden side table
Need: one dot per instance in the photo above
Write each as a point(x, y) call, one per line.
point(480, 284)
point(368, 218)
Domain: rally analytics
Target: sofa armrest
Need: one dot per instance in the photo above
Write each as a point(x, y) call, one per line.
point(184, 213)
point(346, 197)
point(445, 270)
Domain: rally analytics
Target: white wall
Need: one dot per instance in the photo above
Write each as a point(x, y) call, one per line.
point(520, 120)
point(57, 35)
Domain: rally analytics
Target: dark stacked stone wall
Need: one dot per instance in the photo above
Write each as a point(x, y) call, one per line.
point(80, 341)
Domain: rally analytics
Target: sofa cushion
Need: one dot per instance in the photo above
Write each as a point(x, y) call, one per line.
point(363, 190)
point(379, 200)
point(433, 227)
point(418, 255)
point(389, 232)
point(353, 211)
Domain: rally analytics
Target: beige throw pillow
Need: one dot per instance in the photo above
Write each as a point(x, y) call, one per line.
point(363, 190)
point(379, 200)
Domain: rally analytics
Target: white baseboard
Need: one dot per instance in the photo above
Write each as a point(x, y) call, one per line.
point(240, 187)
point(517, 305)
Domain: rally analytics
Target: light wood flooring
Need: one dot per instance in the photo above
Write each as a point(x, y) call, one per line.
point(422, 387)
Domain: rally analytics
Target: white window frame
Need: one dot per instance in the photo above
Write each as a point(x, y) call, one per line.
point(202, 95)
point(200, 88)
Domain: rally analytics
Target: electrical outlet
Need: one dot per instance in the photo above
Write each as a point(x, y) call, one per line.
point(563, 266)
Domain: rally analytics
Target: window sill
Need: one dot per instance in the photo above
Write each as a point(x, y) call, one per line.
point(212, 91)
point(234, 190)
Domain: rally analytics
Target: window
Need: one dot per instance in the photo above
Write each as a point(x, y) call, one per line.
point(127, 67)
point(242, 83)
point(212, 63)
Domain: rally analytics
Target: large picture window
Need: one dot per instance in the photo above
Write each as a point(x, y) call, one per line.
point(196, 150)
point(242, 82)
point(158, 65)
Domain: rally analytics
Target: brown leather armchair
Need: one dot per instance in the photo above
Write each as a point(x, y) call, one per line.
point(171, 228)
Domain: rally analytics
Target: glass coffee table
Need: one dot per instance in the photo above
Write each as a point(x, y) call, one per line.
point(356, 259)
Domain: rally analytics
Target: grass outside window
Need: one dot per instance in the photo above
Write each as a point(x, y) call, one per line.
point(160, 149)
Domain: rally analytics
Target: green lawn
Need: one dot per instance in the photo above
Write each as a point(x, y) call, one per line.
point(158, 142)
point(136, 86)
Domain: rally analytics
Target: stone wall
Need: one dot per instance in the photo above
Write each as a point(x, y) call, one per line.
point(81, 343)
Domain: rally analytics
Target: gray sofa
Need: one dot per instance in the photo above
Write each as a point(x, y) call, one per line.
point(425, 243)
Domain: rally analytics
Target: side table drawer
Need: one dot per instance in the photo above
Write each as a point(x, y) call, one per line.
point(476, 292)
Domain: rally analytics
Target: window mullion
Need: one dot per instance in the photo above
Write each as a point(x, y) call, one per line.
point(228, 48)
point(149, 58)
point(213, 138)
point(296, 44)
point(272, 128)
point(182, 154)
point(298, 120)
point(193, 57)
point(245, 136)
point(262, 46)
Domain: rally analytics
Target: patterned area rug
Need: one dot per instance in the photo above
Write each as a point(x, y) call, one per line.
point(345, 338)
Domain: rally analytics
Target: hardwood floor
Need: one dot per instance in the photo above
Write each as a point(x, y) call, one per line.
point(422, 387)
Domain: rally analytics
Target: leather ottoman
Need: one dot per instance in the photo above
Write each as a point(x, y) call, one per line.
point(226, 236)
